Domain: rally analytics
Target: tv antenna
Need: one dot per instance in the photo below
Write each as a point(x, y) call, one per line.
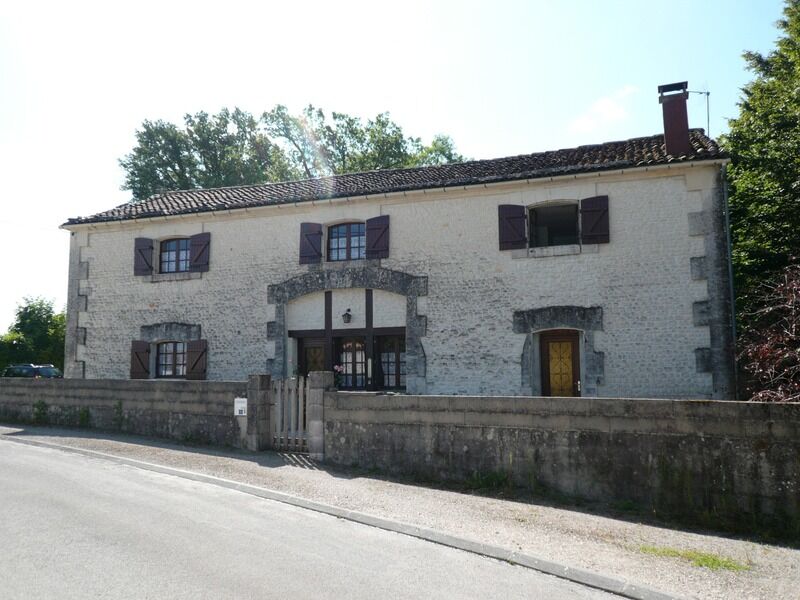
point(707, 94)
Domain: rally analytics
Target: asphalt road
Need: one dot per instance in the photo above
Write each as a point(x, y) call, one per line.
point(72, 526)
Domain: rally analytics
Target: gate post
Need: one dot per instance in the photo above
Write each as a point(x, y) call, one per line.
point(318, 383)
point(259, 435)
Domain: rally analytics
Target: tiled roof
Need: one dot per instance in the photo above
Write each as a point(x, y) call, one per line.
point(636, 152)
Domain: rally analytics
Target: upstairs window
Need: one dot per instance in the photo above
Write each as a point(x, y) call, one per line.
point(567, 223)
point(171, 359)
point(347, 241)
point(554, 225)
point(175, 256)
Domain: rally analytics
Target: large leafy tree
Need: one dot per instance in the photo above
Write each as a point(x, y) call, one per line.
point(764, 175)
point(36, 336)
point(229, 148)
point(235, 148)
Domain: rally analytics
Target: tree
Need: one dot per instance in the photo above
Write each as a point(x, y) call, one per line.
point(36, 336)
point(770, 355)
point(229, 148)
point(319, 147)
point(235, 148)
point(764, 175)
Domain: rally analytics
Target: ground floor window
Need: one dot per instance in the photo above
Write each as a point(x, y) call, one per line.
point(171, 359)
point(352, 357)
point(392, 363)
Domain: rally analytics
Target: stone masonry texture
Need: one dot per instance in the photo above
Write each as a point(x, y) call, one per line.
point(187, 411)
point(720, 461)
point(463, 293)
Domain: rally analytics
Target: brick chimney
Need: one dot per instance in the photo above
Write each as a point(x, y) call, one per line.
point(676, 121)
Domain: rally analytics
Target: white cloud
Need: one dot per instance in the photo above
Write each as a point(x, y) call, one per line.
point(604, 111)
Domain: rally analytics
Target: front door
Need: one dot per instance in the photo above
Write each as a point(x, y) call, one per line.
point(352, 353)
point(560, 363)
point(312, 355)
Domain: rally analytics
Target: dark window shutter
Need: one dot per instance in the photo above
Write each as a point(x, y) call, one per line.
point(199, 252)
point(142, 256)
point(196, 359)
point(140, 359)
point(378, 237)
point(310, 243)
point(512, 226)
point(594, 220)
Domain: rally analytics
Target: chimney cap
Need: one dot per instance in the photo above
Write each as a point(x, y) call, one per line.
point(681, 86)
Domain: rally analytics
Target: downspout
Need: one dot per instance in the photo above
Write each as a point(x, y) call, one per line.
point(731, 290)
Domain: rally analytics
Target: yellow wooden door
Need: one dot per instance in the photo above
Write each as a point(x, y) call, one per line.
point(560, 367)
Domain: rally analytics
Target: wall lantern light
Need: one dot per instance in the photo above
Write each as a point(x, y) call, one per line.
point(347, 316)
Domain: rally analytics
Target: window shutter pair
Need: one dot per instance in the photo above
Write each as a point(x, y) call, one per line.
point(594, 220)
point(378, 237)
point(199, 254)
point(310, 243)
point(196, 359)
point(140, 359)
point(512, 221)
point(142, 257)
point(377, 233)
point(512, 226)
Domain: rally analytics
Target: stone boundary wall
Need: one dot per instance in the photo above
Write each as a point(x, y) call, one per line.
point(188, 411)
point(714, 462)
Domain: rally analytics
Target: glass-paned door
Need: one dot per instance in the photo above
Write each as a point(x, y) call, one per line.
point(391, 361)
point(352, 358)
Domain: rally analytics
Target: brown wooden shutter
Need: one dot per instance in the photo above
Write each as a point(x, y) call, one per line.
point(594, 220)
point(140, 359)
point(512, 226)
point(199, 252)
point(142, 256)
point(378, 237)
point(196, 359)
point(310, 243)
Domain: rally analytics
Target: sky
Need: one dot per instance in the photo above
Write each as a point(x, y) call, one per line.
point(500, 77)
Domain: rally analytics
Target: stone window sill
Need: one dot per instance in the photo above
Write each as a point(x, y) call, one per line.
point(159, 277)
point(545, 251)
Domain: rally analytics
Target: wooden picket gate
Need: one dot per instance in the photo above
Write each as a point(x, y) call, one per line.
point(289, 414)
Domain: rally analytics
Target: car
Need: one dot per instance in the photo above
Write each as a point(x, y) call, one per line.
point(31, 370)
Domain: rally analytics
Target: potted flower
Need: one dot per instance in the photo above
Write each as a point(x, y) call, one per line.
point(338, 373)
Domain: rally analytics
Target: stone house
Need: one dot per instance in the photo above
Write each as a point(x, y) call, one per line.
point(600, 270)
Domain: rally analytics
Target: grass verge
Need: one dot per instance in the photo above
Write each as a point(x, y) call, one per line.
point(715, 562)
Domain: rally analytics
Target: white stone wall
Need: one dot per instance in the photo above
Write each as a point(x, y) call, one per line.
point(641, 279)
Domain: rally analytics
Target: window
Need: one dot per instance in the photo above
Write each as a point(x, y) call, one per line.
point(352, 358)
point(171, 359)
point(554, 225)
point(347, 241)
point(175, 256)
point(392, 362)
point(565, 223)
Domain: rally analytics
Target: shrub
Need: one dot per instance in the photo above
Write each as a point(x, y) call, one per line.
point(769, 348)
